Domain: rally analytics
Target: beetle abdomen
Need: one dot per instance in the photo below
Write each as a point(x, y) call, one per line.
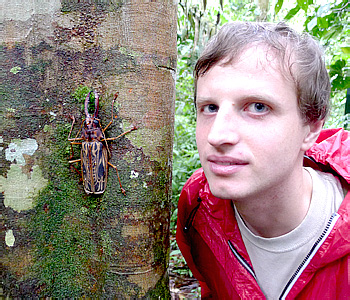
point(94, 166)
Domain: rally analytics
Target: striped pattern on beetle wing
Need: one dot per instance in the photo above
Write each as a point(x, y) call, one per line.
point(94, 167)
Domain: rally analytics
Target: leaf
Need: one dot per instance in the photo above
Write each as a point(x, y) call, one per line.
point(345, 50)
point(312, 24)
point(338, 75)
point(337, 67)
point(175, 252)
point(322, 22)
point(323, 9)
point(278, 6)
point(333, 32)
point(292, 13)
point(303, 4)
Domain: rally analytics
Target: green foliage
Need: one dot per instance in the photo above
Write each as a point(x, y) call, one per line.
point(326, 22)
point(338, 118)
point(338, 73)
point(198, 22)
point(185, 149)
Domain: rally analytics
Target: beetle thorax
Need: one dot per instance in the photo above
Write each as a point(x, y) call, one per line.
point(92, 129)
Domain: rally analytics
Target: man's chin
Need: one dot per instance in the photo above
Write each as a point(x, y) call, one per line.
point(222, 193)
point(228, 192)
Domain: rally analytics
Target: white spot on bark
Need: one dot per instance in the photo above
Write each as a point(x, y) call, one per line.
point(134, 174)
point(19, 188)
point(9, 238)
point(17, 148)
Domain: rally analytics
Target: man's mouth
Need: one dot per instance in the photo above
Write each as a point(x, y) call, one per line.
point(226, 163)
point(224, 166)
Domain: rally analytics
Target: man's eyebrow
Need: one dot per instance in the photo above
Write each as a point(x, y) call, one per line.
point(251, 97)
point(259, 97)
point(204, 99)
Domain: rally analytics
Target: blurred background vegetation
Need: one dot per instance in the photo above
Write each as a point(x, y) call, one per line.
point(199, 20)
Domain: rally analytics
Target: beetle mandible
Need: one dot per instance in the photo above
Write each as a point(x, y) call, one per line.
point(94, 156)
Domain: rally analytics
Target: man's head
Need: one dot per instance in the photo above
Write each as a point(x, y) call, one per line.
point(299, 56)
point(261, 98)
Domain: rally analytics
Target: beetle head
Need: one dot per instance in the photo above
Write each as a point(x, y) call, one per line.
point(92, 129)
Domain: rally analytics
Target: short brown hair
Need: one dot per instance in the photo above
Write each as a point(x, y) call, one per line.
point(299, 55)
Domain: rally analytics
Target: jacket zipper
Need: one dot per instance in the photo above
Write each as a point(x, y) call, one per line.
point(310, 255)
point(242, 261)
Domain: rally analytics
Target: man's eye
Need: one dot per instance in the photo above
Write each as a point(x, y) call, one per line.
point(210, 108)
point(257, 108)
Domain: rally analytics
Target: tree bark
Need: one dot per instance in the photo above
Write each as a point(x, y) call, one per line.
point(264, 8)
point(56, 240)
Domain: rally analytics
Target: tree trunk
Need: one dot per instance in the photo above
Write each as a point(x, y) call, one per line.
point(56, 240)
point(264, 8)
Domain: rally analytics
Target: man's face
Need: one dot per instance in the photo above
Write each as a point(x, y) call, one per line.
point(250, 134)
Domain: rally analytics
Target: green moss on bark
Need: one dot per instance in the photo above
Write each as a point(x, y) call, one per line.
point(61, 228)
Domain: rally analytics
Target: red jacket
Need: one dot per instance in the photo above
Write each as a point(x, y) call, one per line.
point(210, 240)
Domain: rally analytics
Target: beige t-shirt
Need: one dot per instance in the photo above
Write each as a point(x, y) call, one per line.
point(276, 259)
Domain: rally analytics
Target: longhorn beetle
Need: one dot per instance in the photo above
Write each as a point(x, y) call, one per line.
point(95, 153)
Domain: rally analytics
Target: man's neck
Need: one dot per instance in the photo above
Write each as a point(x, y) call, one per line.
point(278, 212)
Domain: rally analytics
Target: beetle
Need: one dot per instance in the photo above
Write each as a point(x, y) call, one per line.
point(95, 154)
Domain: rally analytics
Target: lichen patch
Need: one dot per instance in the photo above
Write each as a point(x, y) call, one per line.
point(9, 238)
point(17, 148)
point(19, 190)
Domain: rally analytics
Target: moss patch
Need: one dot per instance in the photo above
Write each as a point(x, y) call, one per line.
point(65, 253)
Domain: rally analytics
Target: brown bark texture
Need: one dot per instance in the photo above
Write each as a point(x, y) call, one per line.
point(55, 240)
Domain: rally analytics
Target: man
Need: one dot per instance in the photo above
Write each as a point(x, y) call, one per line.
point(267, 216)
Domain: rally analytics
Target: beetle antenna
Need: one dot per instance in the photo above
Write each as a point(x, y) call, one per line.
point(87, 99)
point(96, 105)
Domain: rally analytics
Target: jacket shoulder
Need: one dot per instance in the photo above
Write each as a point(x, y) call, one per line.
point(332, 150)
point(191, 189)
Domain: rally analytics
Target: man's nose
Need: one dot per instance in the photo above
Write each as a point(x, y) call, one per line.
point(224, 129)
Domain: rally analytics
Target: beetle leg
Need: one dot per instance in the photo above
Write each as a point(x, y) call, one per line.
point(74, 161)
point(71, 151)
point(112, 118)
point(120, 183)
point(120, 135)
point(70, 132)
point(71, 128)
point(107, 126)
point(75, 139)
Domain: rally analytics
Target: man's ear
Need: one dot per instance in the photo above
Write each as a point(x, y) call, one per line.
point(314, 130)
